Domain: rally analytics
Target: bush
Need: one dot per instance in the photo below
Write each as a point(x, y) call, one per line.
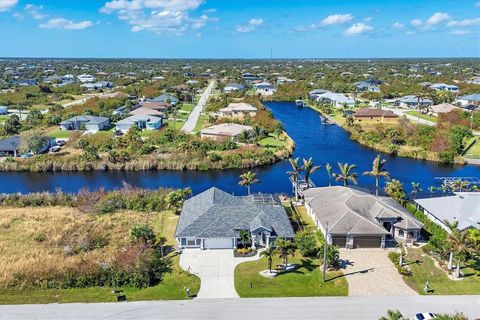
point(307, 244)
point(40, 237)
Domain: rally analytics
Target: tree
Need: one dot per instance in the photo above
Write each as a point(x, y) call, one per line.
point(378, 171)
point(460, 244)
point(160, 242)
point(393, 315)
point(245, 237)
point(176, 198)
point(12, 125)
point(333, 255)
point(143, 233)
point(307, 244)
point(247, 179)
point(309, 168)
point(33, 141)
point(269, 253)
point(284, 249)
point(346, 173)
point(329, 172)
point(295, 174)
point(415, 189)
point(394, 189)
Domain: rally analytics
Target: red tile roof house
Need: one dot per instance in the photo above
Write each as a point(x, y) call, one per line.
point(374, 115)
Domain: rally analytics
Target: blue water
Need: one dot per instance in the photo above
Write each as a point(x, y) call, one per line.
point(322, 143)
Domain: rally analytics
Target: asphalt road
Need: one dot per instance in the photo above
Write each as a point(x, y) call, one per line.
point(357, 308)
point(195, 114)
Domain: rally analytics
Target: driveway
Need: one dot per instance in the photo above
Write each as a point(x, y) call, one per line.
point(195, 114)
point(215, 269)
point(370, 272)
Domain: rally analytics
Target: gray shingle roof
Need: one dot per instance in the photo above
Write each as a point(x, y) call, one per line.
point(10, 144)
point(353, 212)
point(216, 213)
point(85, 118)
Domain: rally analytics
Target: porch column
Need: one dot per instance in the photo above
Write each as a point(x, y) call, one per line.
point(202, 244)
point(382, 245)
point(268, 241)
point(253, 241)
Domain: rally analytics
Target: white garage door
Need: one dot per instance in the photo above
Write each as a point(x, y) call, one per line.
point(218, 243)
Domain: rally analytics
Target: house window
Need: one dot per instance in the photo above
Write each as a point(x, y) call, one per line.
point(190, 242)
point(198, 242)
point(400, 233)
point(183, 241)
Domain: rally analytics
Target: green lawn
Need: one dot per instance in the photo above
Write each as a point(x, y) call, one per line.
point(61, 134)
point(423, 269)
point(271, 143)
point(178, 124)
point(422, 116)
point(187, 107)
point(305, 281)
point(202, 121)
point(474, 150)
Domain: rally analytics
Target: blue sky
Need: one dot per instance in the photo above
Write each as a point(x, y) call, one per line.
point(239, 29)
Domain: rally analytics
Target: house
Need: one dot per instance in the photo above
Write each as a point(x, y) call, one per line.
point(225, 131)
point(233, 87)
point(238, 110)
point(159, 106)
point(86, 122)
point(98, 85)
point(357, 219)
point(412, 101)
point(214, 219)
point(442, 108)
point(469, 99)
point(366, 86)
point(443, 87)
point(374, 115)
point(264, 88)
point(144, 111)
point(86, 78)
point(166, 98)
point(143, 122)
point(3, 110)
point(317, 92)
point(10, 146)
point(24, 83)
point(463, 207)
point(337, 99)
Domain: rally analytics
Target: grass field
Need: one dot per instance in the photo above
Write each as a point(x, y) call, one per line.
point(474, 150)
point(61, 134)
point(201, 123)
point(271, 143)
point(22, 254)
point(422, 116)
point(423, 269)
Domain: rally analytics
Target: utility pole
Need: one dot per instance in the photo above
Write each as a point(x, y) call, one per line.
point(325, 254)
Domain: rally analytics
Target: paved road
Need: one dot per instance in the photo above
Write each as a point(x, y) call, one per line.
point(348, 308)
point(195, 114)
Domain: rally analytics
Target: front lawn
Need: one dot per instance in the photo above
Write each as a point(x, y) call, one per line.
point(474, 150)
point(60, 134)
point(305, 281)
point(423, 269)
point(201, 123)
point(422, 116)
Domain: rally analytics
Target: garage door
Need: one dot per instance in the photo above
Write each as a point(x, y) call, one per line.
point(367, 242)
point(339, 241)
point(218, 243)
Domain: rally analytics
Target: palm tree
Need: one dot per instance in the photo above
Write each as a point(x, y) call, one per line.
point(329, 172)
point(432, 189)
point(160, 242)
point(394, 189)
point(284, 249)
point(247, 179)
point(378, 171)
point(393, 315)
point(415, 189)
point(295, 174)
point(346, 173)
point(244, 237)
point(268, 253)
point(460, 244)
point(309, 169)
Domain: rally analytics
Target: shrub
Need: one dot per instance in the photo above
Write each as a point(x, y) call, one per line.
point(40, 237)
point(307, 244)
point(142, 233)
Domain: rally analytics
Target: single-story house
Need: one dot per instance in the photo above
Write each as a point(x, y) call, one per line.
point(24, 82)
point(90, 123)
point(337, 99)
point(86, 78)
point(412, 101)
point(144, 111)
point(10, 146)
point(469, 99)
point(463, 207)
point(3, 110)
point(444, 87)
point(374, 115)
point(357, 219)
point(224, 131)
point(98, 85)
point(165, 98)
point(367, 86)
point(238, 110)
point(264, 88)
point(143, 122)
point(442, 108)
point(233, 87)
point(159, 106)
point(214, 218)
point(316, 92)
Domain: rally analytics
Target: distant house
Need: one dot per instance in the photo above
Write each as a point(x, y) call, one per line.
point(86, 122)
point(442, 108)
point(337, 99)
point(225, 131)
point(314, 94)
point(374, 115)
point(366, 86)
point(233, 87)
point(3, 110)
point(214, 219)
point(357, 219)
point(144, 111)
point(86, 78)
point(238, 110)
point(461, 207)
point(264, 88)
point(10, 146)
point(158, 78)
point(469, 99)
point(165, 98)
point(24, 82)
point(143, 122)
point(444, 87)
point(159, 106)
point(98, 85)
point(412, 101)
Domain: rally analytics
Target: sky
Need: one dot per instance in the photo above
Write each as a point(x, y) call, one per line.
point(239, 29)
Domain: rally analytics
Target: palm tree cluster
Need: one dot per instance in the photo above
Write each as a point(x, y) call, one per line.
point(307, 168)
point(283, 248)
point(462, 244)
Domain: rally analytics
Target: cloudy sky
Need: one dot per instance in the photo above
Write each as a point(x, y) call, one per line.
point(240, 29)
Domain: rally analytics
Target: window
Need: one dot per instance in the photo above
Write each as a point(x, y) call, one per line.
point(183, 241)
point(400, 233)
point(199, 242)
point(190, 242)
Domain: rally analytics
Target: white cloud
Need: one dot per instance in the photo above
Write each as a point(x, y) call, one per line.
point(7, 4)
point(459, 32)
point(255, 22)
point(464, 23)
point(416, 22)
point(397, 25)
point(367, 19)
point(164, 17)
point(34, 11)
point(250, 26)
point(335, 19)
point(437, 17)
point(62, 23)
point(357, 29)
point(410, 33)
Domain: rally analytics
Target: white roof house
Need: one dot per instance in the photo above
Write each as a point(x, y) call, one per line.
point(239, 109)
point(443, 108)
point(225, 130)
point(444, 87)
point(339, 99)
point(143, 122)
point(86, 78)
point(463, 207)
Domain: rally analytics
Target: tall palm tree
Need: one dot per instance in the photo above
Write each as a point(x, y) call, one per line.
point(378, 171)
point(295, 174)
point(346, 173)
point(309, 168)
point(460, 244)
point(268, 253)
point(247, 179)
point(415, 189)
point(329, 172)
point(284, 249)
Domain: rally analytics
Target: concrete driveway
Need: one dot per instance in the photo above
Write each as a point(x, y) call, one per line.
point(370, 272)
point(215, 269)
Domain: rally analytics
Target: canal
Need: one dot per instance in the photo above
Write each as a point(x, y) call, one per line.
point(324, 143)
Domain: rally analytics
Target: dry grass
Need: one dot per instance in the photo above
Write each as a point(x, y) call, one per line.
point(22, 228)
